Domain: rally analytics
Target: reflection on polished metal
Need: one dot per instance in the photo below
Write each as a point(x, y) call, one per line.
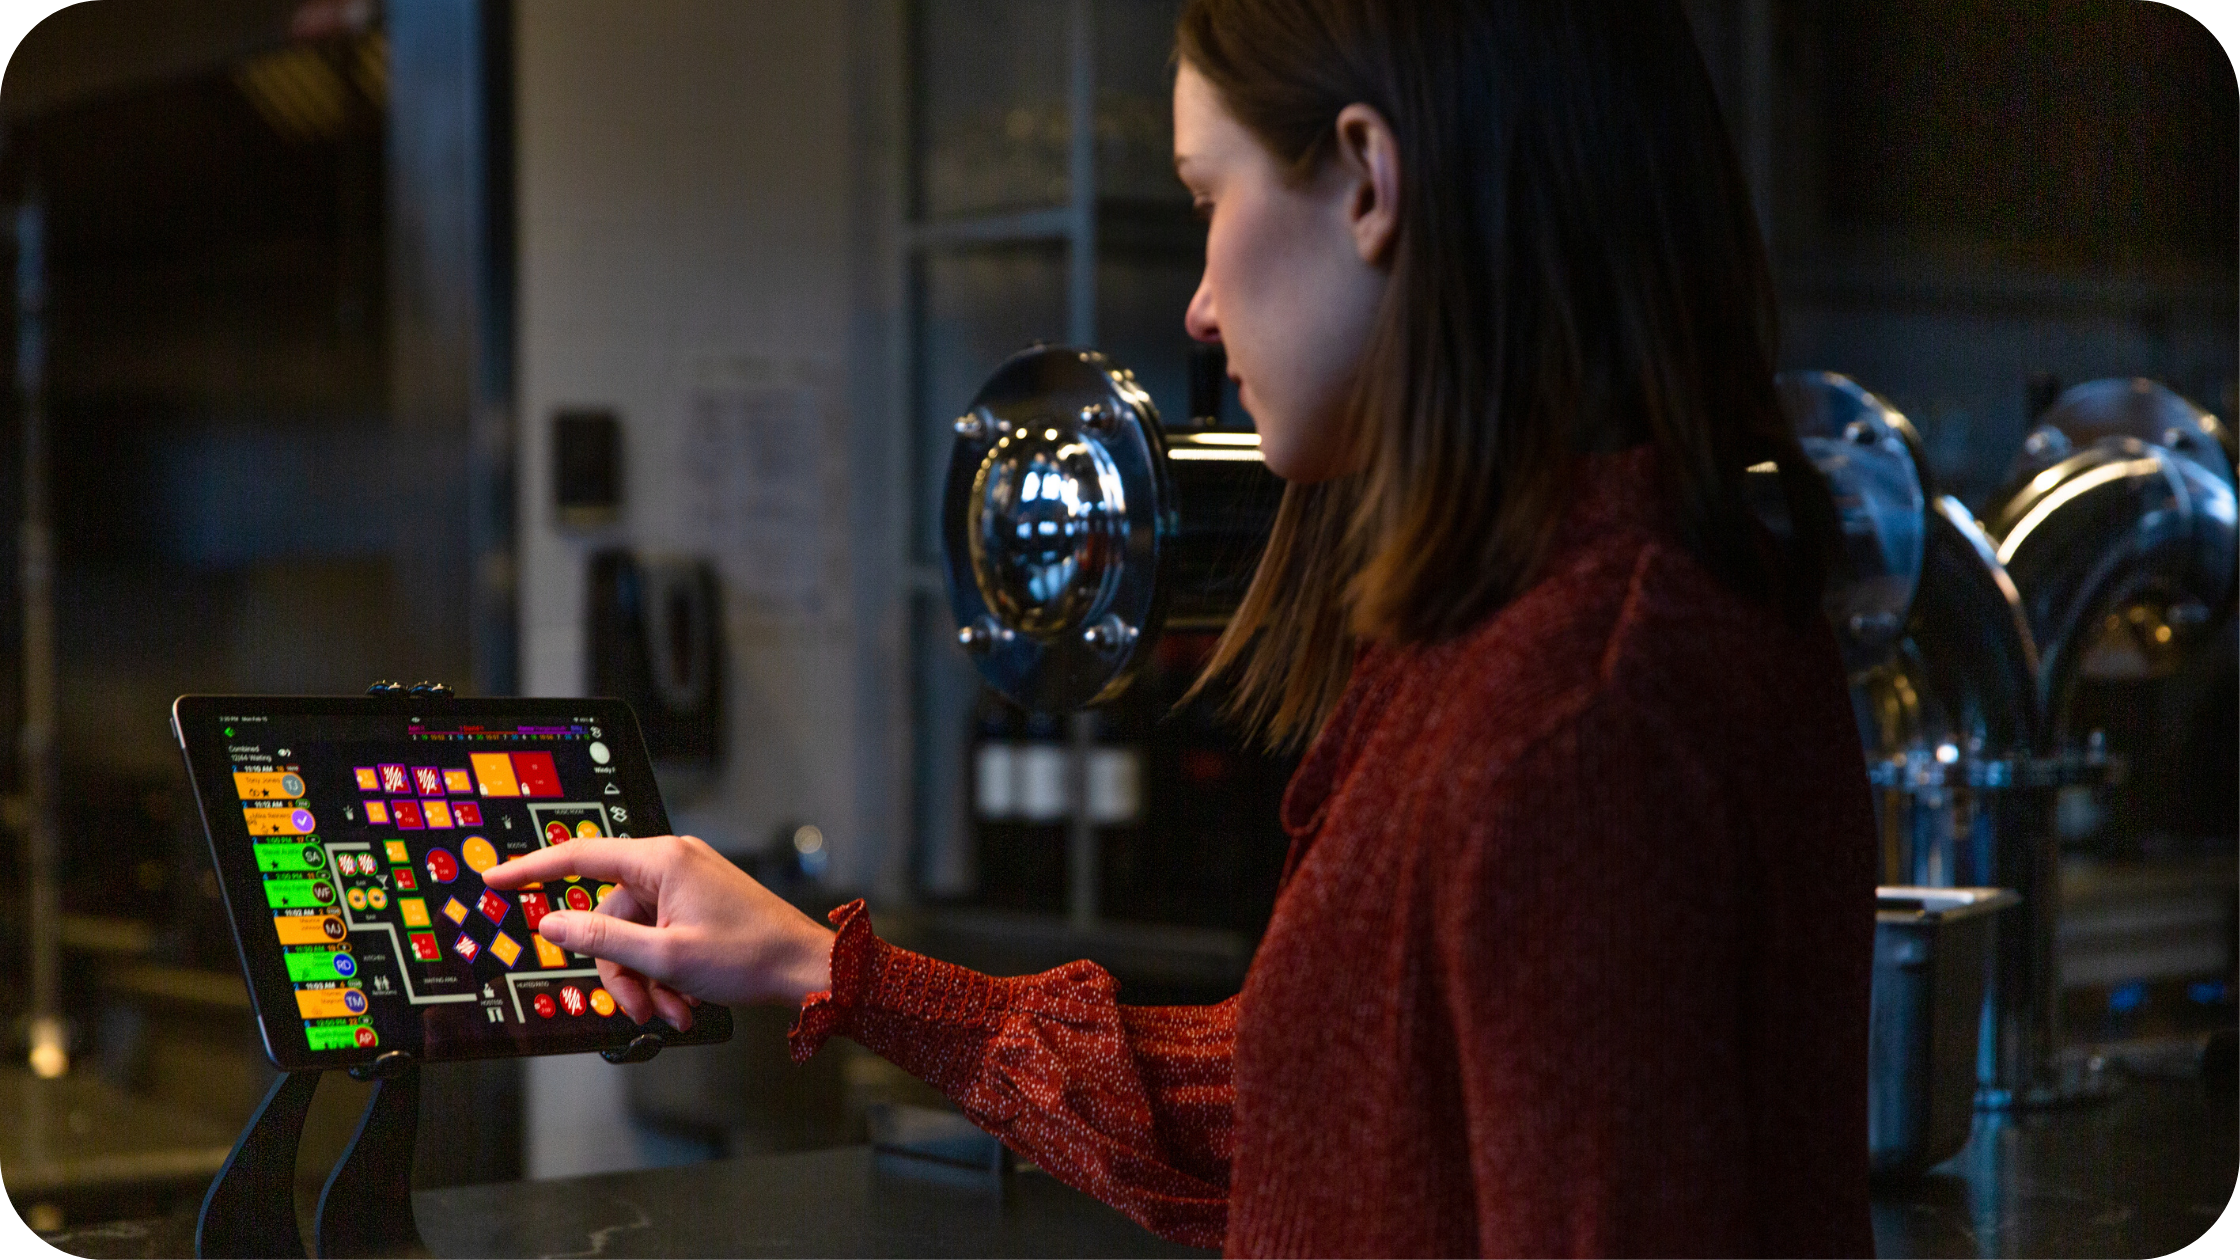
point(982, 633)
point(1933, 949)
point(1056, 522)
point(2121, 501)
point(1947, 706)
point(1109, 635)
point(1949, 724)
point(1869, 454)
point(2121, 498)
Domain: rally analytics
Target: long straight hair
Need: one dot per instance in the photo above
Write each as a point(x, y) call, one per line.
point(1577, 269)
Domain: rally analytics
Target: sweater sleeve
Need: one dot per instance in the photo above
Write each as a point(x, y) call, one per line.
point(1129, 1104)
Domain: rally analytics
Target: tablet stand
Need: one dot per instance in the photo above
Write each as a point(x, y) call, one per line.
point(251, 1207)
point(365, 1208)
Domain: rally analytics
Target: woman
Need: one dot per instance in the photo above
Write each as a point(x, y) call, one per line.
point(1572, 951)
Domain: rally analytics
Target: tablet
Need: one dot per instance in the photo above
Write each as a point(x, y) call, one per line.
point(350, 834)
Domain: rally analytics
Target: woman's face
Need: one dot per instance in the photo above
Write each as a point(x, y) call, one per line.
point(1294, 275)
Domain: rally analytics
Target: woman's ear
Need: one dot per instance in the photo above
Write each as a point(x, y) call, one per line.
point(1369, 158)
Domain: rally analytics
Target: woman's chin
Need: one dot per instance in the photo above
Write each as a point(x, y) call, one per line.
point(1284, 462)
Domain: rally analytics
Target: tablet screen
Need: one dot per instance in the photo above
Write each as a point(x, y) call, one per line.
point(350, 836)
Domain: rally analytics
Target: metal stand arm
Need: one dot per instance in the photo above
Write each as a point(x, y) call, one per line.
point(366, 1207)
point(251, 1207)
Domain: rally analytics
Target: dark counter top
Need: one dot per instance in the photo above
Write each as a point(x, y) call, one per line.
point(2140, 1174)
point(847, 1201)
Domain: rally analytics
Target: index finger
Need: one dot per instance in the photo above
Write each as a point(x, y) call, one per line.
point(594, 857)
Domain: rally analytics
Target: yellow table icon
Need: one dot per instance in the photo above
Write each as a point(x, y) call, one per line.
point(479, 854)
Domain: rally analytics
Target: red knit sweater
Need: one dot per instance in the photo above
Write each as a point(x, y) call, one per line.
point(1571, 956)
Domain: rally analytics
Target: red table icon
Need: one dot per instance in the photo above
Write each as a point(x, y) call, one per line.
point(442, 867)
point(536, 774)
point(543, 1005)
point(364, 1035)
point(557, 832)
point(579, 898)
point(571, 998)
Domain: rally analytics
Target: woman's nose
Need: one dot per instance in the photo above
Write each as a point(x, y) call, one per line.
point(1199, 320)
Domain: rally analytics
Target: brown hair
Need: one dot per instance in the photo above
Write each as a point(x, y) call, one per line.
point(1577, 268)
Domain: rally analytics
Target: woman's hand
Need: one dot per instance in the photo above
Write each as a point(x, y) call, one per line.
point(682, 920)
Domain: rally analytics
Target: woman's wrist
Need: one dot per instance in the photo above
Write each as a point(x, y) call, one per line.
point(810, 968)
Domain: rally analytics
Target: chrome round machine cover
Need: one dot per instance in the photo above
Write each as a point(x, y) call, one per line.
point(1057, 521)
point(2121, 501)
point(1871, 457)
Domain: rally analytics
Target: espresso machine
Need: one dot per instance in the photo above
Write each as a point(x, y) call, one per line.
point(2116, 526)
point(1077, 528)
point(2117, 519)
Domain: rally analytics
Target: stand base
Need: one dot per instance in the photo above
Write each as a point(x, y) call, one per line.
point(251, 1207)
point(365, 1208)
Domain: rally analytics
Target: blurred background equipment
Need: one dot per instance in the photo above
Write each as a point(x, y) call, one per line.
point(657, 643)
point(2117, 526)
point(263, 356)
point(1057, 524)
point(587, 475)
point(1872, 459)
point(1932, 958)
point(2120, 508)
point(1949, 684)
point(1077, 529)
point(369, 328)
point(41, 822)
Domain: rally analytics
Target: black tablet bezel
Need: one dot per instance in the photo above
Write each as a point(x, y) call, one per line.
point(208, 771)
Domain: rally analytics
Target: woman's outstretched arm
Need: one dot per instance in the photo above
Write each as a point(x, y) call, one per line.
point(1129, 1104)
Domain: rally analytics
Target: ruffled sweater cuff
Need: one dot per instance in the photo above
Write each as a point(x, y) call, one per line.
point(925, 1015)
point(823, 1014)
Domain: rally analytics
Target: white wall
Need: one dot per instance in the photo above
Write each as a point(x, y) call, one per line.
point(683, 187)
